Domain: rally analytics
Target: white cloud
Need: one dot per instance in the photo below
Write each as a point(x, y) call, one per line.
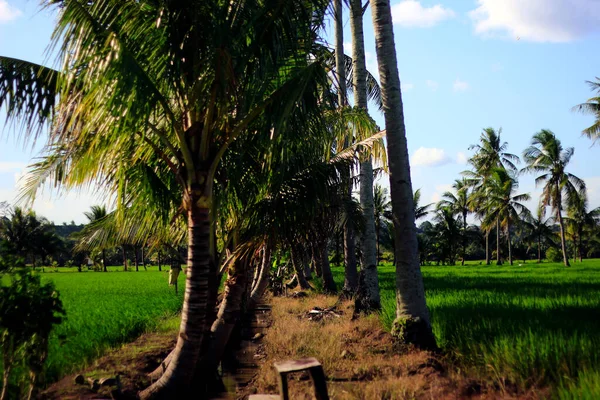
point(537, 20)
point(407, 86)
point(461, 158)
point(411, 13)
point(439, 191)
point(433, 85)
point(10, 166)
point(429, 157)
point(8, 12)
point(460, 86)
point(593, 191)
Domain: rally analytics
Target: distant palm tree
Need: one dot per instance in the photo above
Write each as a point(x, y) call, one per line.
point(98, 213)
point(580, 219)
point(491, 153)
point(592, 107)
point(382, 208)
point(539, 229)
point(420, 211)
point(458, 203)
point(504, 206)
point(547, 157)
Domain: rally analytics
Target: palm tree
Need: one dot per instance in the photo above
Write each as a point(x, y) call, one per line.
point(491, 153)
point(369, 290)
point(382, 208)
point(412, 317)
point(547, 157)
point(446, 233)
point(173, 85)
point(592, 107)
point(581, 220)
point(504, 207)
point(97, 213)
point(458, 202)
point(539, 229)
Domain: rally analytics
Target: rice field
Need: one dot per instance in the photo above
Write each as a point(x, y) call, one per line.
point(105, 310)
point(534, 324)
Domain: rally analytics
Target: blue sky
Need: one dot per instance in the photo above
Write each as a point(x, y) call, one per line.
point(519, 65)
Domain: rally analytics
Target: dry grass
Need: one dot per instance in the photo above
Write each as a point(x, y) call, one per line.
point(358, 357)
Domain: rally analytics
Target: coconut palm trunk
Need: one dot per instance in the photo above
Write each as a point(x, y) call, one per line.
point(124, 258)
point(263, 276)
point(369, 281)
point(350, 271)
point(487, 247)
point(298, 264)
point(412, 323)
point(176, 380)
point(561, 223)
point(464, 239)
point(510, 258)
point(539, 249)
point(104, 260)
point(498, 258)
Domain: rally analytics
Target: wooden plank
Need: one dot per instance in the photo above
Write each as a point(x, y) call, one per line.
point(296, 365)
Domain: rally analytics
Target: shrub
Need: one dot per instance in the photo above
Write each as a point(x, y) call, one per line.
point(554, 255)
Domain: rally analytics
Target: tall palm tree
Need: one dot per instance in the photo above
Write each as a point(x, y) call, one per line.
point(547, 157)
point(504, 206)
point(412, 317)
point(382, 208)
point(350, 270)
point(98, 213)
point(369, 290)
point(490, 153)
point(175, 84)
point(458, 202)
point(592, 107)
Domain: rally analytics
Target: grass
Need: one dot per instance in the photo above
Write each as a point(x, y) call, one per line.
point(528, 325)
point(105, 310)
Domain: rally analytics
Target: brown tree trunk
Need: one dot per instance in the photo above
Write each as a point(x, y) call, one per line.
point(143, 259)
point(124, 258)
point(299, 268)
point(322, 258)
point(562, 230)
point(498, 258)
point(135, 259)
point(177, 379)
point(487, 247)
point(464, 240)
point(104, 260)
point(510, 259)
point(539, 249)
point(412, 324)
point(159, 262)
point(368, 294)
point(263, 277)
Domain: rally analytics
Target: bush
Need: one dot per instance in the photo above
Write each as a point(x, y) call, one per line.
point(554, 255)
point(28, 311)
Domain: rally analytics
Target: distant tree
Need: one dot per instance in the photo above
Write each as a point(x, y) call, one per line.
point(447, 231)
point(458, 202)
point(547, 157)
point(420, 211)
point(538, 229)
point(581, 221)
point(504, 206)
point(26, 235)
point(382, 207)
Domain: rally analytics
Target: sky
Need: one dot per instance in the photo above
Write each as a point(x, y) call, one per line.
point(464, 66)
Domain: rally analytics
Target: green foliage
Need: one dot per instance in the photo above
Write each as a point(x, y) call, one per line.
point(531, 324)
point(553, 255)
point(28, 312)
